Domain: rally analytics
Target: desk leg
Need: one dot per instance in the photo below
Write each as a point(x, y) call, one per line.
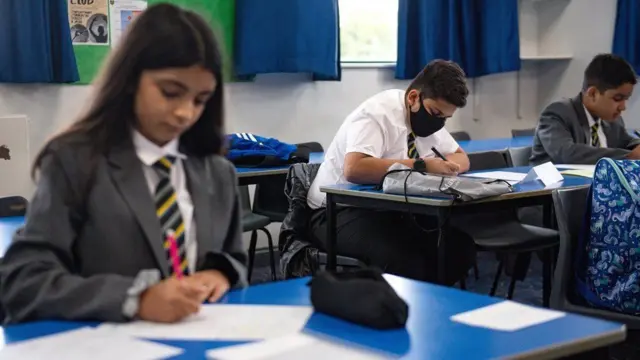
point(331, 233)
point(548, 258)
point(443, 223)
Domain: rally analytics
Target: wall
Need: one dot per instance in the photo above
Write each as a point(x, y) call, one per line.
point(586, 28)
point(295, 109)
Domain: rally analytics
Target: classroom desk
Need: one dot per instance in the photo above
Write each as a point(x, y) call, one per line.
point(8, 226)
point(255, 175)
point(429, 333)
point(470, 146)
point(365, 196)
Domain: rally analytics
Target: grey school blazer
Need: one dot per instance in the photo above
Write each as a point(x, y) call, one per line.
point(82, 246)
point(563, 136)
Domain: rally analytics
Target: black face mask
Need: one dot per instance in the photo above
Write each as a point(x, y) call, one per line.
point(424, 124)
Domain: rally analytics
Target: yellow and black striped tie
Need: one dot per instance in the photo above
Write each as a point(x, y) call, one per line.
point(413, 151)
point(595, 139)
point(169, 214)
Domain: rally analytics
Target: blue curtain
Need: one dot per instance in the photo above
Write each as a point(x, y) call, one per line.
point(627, 32)
point(35, 42)
point(480, 35)
point(287, 36)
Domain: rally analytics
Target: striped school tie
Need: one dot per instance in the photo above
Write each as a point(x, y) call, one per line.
point(411, 141)
point(595, 139)
point(169, 215)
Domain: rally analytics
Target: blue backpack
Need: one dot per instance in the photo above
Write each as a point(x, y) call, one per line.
point(608, 266)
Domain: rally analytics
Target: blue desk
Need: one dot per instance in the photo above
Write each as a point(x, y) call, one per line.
point(8, 227)
point(495, 144)
point(429, 334)
point(253, 175)
point(365, 196)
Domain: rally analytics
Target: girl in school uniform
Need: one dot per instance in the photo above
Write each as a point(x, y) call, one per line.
point(136, 213)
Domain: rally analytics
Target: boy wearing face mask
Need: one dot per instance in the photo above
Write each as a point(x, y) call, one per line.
point(395, 126)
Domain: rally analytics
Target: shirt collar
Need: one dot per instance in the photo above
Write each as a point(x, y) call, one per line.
point(149, 153)
point(590, 118)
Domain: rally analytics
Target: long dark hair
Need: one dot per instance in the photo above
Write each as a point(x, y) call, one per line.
point(163, 36)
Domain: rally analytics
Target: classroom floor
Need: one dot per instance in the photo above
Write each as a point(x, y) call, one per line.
point(528, 291)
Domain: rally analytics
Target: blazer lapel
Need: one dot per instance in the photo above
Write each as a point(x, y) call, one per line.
point(582, 117)
point(200, 185)
point(128, 176)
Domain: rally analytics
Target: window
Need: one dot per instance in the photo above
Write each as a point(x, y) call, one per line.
point(368, 30)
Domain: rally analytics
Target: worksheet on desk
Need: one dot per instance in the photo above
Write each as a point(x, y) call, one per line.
point(223, 322)
point(294, 347)
point(87, 343)
point(510, 177)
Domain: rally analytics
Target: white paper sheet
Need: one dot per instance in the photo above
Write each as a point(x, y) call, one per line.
point(87, 343)
point(223, 322)
point(121, 14)
point(510, 177)
point(547, 173)
point(507, 316)
point(294, 347)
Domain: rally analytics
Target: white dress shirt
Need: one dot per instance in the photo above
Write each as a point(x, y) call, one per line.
point(601, 136)
point(378, 128)
point(149, 153)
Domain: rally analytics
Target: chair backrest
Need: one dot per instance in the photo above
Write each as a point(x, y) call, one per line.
point(523, 132)
point(461, 136)
point(519, 156)
point(13, 206)
point(570, 206)
point(269, 197)
point(487, 160)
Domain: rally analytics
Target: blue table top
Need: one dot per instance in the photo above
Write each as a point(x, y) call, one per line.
point(429, 332)
point(314, 158)
point(470, 146)
point(519, 189)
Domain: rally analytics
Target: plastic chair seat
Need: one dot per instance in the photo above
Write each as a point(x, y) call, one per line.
point(513, 236)
point(251, 221)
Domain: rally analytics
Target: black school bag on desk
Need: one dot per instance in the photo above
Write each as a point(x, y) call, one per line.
point(361, 296)
point(249, 150)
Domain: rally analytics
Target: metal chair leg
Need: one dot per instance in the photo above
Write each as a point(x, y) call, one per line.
point(496, 279)
point(252, 253)
point(272, 256)
point(547, 266)
point(512, 287)
point(463, 284)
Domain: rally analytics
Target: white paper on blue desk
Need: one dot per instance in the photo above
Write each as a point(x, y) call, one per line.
point(294, 347)
point(507, 316)
point(87, 343)
point(223, 322)
point(510, 177)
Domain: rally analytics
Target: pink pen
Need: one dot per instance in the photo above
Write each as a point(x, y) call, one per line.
point(174, 253)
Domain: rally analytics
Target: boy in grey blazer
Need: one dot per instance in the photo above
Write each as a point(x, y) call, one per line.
point(136, 214)
point(583, 129)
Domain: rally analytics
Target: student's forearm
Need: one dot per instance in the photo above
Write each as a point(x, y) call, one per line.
point(370, 170)
point(461, 159)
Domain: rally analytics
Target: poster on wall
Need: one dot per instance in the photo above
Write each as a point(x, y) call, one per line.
point(15, 158)
point(121, 14)
point(88, 22)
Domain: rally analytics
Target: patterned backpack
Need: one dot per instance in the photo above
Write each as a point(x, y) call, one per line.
point(608, 267)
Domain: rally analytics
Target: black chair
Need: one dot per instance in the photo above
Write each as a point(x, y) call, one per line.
point(502, 233)
point(301, 255)
point(570, 205)
point(461, 136)
point(522, 132)
point(252, 222)
point(519, 156)
point(13, 206)
point(269, 198)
